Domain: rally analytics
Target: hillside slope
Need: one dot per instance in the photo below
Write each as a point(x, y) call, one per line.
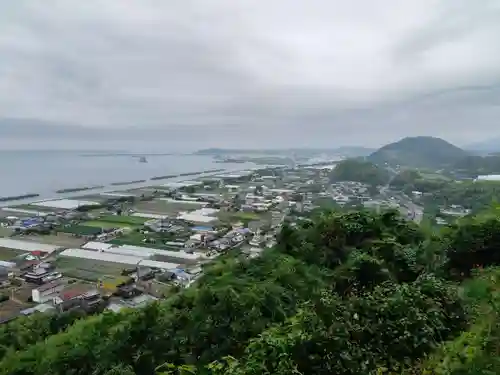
point(422, 152)
point(360, 171)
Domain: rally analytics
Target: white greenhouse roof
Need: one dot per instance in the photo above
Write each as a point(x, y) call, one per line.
point(156, 264)
point(167, 253)
point(139, 252)
point(118, 195)
point(116, 258)
point(23, 211)
point(104, 257)
point(181, 184)
point(489, 177)
point(170, 200)
point(149, 216)
point(93, 245)
point(196, 218)
point(27, 245)
point(66, 204)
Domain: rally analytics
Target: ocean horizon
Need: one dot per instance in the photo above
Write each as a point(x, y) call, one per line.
point(43, 172)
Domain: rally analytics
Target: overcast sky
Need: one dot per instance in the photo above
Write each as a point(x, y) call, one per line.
point(248, 73)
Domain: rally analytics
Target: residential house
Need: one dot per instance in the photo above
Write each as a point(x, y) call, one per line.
point(46, 292)
point(78, 296)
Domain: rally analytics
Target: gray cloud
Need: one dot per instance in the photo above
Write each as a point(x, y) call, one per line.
point(241, 73)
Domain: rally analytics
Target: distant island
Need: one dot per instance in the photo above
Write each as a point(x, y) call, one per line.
point(350, 151)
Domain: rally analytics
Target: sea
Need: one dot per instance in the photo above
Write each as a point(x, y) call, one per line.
point(43, 172)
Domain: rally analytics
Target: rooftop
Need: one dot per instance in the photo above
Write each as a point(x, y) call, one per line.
point(66, 204)
point(27, 245)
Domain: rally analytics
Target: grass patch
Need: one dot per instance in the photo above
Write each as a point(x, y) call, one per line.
point(238, 216)
point(81, 230)
point(130, 220)
point(9, 254)
point(89, 270)
point(105, 224)
point(434, 176)
point(135, 239)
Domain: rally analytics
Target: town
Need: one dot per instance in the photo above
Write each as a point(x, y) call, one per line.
point(123, 249)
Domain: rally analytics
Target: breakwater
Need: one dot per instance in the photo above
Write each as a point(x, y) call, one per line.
point(18, 197)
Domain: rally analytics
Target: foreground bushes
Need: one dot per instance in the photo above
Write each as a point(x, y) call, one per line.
point(348, 293)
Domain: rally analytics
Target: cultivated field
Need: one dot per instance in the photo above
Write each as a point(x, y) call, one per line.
point(10, 308)
point(160, 207)
point(89, 270)
point(9, 254)
point(120, 219)
point(80, 230)
point(59, 239)
point(105, 224)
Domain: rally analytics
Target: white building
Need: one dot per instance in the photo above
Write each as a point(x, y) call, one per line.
point(489, 177)
point(45, 292)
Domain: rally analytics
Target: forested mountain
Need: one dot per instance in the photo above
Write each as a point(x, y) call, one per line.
point(346, 293)
point(420, 152)
point(360, 171)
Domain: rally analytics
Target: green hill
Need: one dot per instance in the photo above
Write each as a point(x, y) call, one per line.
point(420, 152)
point(360, 171)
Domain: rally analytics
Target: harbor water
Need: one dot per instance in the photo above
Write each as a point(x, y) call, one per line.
point(44, 172)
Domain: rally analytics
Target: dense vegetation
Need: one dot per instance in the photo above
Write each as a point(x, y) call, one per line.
point(472, 166)
point(420, 152)
point(476, 196)
point(360, 171)
point(412, 180)
point(343, 293)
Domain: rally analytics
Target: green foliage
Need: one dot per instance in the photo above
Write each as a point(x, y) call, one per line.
point(360, 171)
point(341, 293)
point(25, 331)
point(476, 196)
point(473, 243)
point(472, 166)
point(411, 180)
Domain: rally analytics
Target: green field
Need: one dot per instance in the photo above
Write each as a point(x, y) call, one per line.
point(130, 220)
point(105, 224)
point(434, 176)
point(9, 254)
point(238, 216)
point(135, 239)
point(116, 221)
point(90, 270)
point(82, 230)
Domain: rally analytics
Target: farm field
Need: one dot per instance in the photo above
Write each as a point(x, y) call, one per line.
point(9, 254)
point(89, 270)
point(5, 232)
point(163, 207)
point(136, 239)
point(225, 216)
point(105, 224)
point(33, 207)
point(10, 308)
point(59, 239)
point(121, 219)
point(81, 230)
